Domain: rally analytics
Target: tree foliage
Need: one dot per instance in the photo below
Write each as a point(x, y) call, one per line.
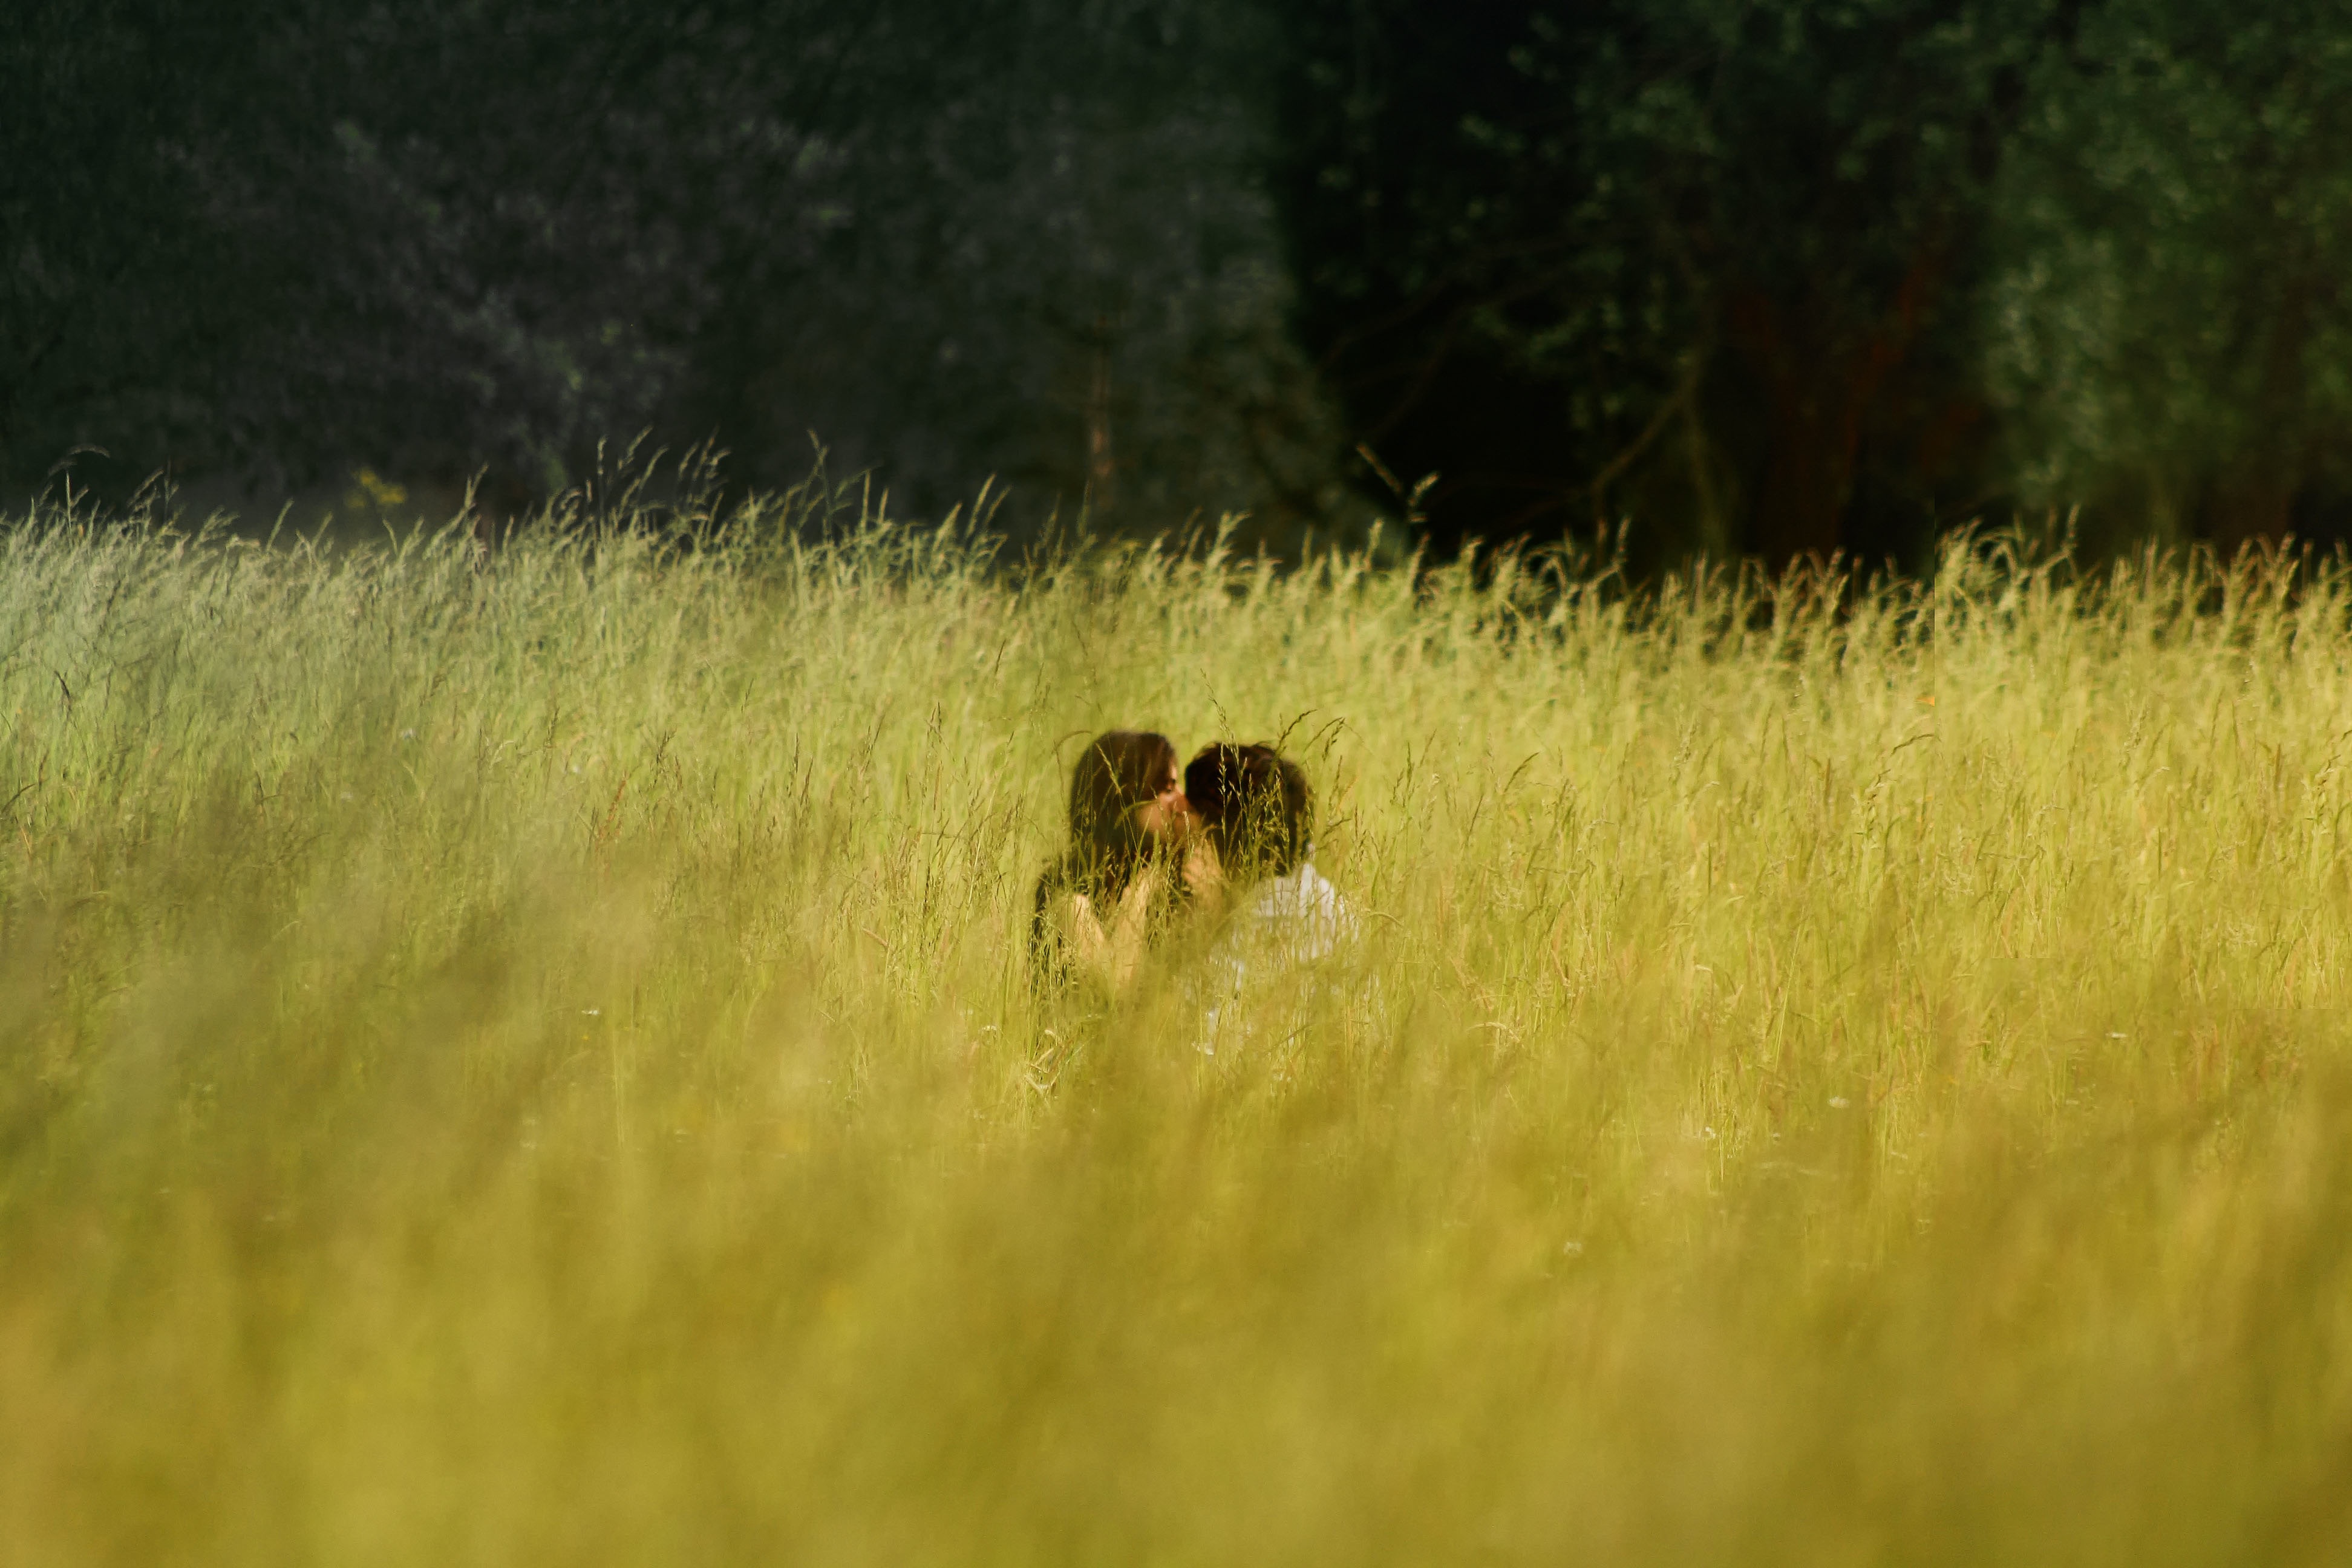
point(1759, 276)
point(1778, 275)
point(2172, 341)
point(1000, 237)
point(1722, 250)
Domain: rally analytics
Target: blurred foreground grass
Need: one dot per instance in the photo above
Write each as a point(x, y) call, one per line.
point(527, 1059)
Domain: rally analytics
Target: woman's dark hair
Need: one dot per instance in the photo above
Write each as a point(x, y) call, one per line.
point(1257, 806)
point(1118, 771)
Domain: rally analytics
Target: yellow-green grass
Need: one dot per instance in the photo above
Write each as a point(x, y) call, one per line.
point(527, 1057)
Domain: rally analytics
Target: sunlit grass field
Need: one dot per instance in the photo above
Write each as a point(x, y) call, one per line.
point(526, 1056)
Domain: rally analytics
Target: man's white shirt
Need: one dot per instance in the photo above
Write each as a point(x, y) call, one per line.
point(1289, 922)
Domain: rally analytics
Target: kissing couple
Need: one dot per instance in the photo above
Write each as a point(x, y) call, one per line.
point(1223, 850)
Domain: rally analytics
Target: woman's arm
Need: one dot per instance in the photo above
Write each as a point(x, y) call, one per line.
point(1204, 878)
point(1082, 943)
point(1098, 952)
point(1128, 931)
point(1108, 942)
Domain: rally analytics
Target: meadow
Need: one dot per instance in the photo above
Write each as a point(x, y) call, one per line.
point(525, 1055)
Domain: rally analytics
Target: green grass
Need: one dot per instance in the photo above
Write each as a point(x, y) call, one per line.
point(528, 1059)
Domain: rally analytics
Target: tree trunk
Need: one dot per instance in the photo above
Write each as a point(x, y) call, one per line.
point(2254, 501)
point(1100, 469)
point(1818, 383)
point(2256, 507)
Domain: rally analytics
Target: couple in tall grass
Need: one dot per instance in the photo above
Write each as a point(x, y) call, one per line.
point(1217, 858)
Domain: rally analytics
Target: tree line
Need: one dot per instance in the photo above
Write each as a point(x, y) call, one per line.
point(1748, 276)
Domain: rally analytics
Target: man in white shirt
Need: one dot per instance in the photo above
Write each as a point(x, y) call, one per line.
point(1258, 812)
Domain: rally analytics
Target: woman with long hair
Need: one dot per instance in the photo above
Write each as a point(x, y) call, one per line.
point(1104, 899)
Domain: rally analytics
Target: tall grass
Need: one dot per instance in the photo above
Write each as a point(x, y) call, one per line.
point(528, 1058)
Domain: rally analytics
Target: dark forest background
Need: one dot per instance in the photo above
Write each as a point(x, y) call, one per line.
point(1753, 276)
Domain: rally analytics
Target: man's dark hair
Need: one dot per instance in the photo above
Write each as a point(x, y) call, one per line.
point(1257, 806)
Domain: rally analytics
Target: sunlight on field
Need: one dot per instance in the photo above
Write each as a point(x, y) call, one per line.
point(530, 1059)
